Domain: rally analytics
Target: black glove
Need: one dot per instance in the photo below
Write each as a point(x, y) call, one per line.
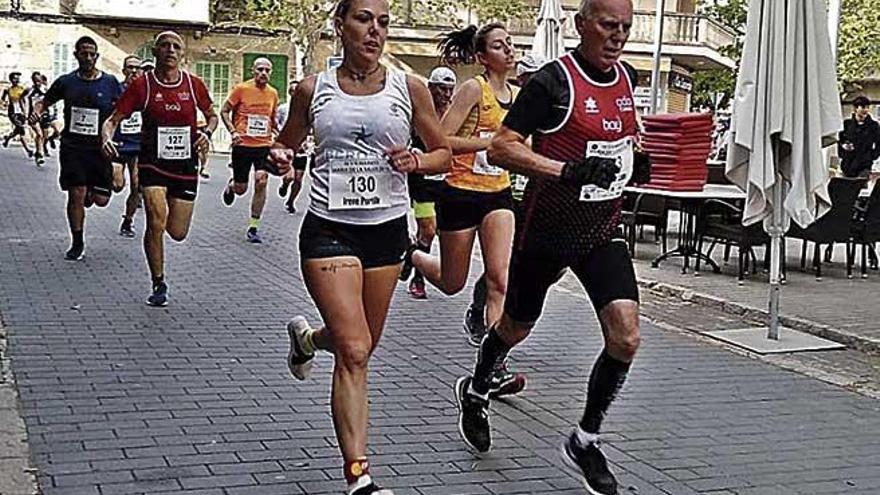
point(591, 170)
point(641, 168)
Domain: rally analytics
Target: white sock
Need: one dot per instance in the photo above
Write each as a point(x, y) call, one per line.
point(584, 438)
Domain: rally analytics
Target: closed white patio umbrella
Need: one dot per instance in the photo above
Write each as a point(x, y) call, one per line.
point(549, 41)
point(785, 111)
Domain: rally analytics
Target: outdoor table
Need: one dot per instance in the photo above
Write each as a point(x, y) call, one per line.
point(691, 201)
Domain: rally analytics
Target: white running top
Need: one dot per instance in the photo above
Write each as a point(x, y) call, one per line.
point(352, 181)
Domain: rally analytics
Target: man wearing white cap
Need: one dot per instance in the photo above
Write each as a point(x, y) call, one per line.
point(424, 189)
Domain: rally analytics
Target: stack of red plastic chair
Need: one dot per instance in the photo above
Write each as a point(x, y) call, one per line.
point(679, 145)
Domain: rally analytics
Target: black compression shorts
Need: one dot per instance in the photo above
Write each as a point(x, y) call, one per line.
point(183, 187)
point(374, 245)
point(606, 272)
point(459, 209)
point(243, 158)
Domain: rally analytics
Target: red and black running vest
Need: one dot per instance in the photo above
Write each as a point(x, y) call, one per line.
point(556, 220)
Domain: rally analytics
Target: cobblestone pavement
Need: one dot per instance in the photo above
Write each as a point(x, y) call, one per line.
point(196, 399)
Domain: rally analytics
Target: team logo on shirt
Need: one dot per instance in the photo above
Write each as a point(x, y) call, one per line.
point(624, 104)
point(183, 96)
point(172, 107)
point(158, 97)
point(615, 125)
point(361, 135)
point(590, 105)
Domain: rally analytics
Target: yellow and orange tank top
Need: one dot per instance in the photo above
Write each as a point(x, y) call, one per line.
point(471, 171)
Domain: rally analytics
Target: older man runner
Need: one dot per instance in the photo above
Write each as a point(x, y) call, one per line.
point(579, 111)
point(168, 99)
point(249, 116)
point(86, 175)
point(128, 139)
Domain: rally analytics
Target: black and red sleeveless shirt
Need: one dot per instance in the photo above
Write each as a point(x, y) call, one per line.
point(554, 218)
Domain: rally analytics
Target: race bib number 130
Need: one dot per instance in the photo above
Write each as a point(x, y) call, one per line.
point(360, 184)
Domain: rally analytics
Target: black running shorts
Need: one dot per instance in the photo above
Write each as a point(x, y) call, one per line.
point(243, 158)
point(183, 187)
point(85, 167)
point(374, 245)
point(606, 272)
point(460, 209)
point(300, 162)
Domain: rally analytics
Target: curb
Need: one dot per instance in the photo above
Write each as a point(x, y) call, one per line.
point(848, 339)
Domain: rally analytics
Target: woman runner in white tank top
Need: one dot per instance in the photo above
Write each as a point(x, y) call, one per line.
point(354, 235)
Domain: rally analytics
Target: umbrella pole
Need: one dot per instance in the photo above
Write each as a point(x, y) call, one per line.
point(776, 234)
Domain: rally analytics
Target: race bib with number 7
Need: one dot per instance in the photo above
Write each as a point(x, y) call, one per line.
point(174, 143)
point(360, 184)
point(84, 121)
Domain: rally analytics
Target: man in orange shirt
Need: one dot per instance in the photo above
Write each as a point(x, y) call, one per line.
point(249, 116)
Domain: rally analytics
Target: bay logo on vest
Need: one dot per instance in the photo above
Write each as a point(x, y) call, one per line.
point(624, 104)
point(615, 125)
point(591, 106)
point(172, 107)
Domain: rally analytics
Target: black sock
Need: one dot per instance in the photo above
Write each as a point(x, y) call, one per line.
point(421, 246)
point(479, 301)
point(606, 379)
point(77, 237)
point(493, 350)
point(158, 280)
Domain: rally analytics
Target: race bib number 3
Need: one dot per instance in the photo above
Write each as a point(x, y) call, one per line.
point(360, 184)
point(84, 121)
point(257, 126)
point(131, 125)
point(174, 143)
point(481, 163)
point(622, 152)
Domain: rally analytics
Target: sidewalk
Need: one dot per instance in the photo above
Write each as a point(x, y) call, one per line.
point(195, 399)
point(836, 307)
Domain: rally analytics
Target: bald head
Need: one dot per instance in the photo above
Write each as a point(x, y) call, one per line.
point(262, 70)
point(168, 50)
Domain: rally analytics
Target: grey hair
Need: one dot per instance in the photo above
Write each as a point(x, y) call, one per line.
point(586, 7)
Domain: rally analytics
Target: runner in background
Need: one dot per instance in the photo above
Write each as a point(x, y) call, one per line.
point(128, 139)
point(86, 175)
point(292, 181)
point(425, 190)
point(249, 116)
point(16, 109)
point(169, 99)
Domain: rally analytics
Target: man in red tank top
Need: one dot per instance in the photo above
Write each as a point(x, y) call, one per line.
point(168, 99)
point(580, 114)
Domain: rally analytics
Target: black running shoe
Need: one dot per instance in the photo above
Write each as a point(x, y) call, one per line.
point(283, 188)
point(407, 268)
point(53, 144)
point(291, 209)
point(228, 195)
point(505, 382)
point(38, 158)
point(589, 463)
point(159, 296)
point(75, 253)
point(474, 326)
point(125, 229)
point(473, 417)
